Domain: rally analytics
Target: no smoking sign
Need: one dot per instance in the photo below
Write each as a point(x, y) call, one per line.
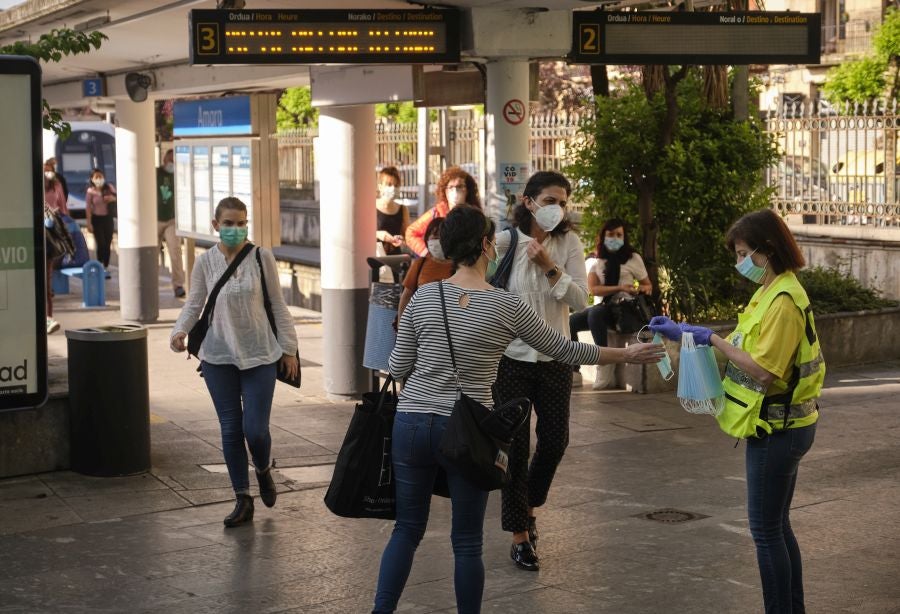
point(514, 111)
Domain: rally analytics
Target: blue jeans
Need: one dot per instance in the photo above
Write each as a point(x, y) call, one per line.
point(414, 451)
point(229, 386)
point(772, 464)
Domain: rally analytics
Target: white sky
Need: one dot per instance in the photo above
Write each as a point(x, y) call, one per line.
point(5, 4)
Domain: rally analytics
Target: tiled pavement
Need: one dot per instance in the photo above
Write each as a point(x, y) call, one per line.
point(155, 542)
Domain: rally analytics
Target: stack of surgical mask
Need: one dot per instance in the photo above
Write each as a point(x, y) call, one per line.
point(699, 384)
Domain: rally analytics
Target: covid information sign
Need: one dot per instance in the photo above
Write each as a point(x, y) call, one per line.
point(23, 350)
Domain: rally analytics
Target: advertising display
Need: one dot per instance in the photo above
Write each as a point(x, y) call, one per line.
point(23, 351)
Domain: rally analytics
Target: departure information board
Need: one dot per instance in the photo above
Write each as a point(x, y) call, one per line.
point(360, 36)
point(695, 38)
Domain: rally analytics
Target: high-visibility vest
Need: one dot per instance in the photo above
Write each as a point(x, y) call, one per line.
point(748, 411)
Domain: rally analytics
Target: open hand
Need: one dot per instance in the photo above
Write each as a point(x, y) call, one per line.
point(645, 353)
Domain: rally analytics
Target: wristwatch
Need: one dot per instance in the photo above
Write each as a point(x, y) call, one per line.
point(552, 272)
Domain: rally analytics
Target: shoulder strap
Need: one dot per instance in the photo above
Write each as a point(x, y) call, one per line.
point(449, 339)
point(229, 271)
point(500, 278)
point(266, 301)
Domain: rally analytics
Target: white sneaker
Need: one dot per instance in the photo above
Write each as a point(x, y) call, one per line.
point(605, 378)
point(577, 380)
point(52, 326)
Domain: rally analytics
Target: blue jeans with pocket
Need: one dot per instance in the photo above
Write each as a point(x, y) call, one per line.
point(772, 464)
point(243, 402)
point(415, 456)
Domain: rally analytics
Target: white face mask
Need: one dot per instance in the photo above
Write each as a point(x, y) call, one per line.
point(98, 183)
point(49, 174)
point(388, 192)
point(170, 167)
point(456, 196)
point(548, 217)
point(434, 248)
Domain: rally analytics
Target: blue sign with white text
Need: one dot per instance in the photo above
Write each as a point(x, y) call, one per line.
point(91, 88)
point(213, 117)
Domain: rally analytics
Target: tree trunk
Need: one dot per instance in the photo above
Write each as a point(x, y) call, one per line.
point(715, 87)
point(600, 80)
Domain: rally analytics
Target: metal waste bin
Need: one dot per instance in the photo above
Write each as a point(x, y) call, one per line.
point(109, 400)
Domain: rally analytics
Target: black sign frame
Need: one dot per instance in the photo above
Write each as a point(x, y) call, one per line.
point(209, 29)
point(20, 65)
point(590, 30)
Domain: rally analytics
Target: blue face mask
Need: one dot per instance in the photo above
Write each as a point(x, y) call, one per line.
point(665, 363)
point(493, 263)
point(613, 244)
point(751, 271)
point(232, 236)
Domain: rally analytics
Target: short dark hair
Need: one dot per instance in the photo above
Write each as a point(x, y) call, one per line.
point(611, 224)
point(391, 171)
point(232, 203)
point(433, 228)
point(539, 181)
point(764, 230)
point(462, 232)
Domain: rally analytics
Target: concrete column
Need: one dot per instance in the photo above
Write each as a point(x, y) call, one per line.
point(136, 185)
point(345, 154)
point(506, 112)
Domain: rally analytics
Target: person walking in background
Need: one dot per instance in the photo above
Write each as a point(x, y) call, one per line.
point(455, 187)
point(772, 379)
point(240, 355)
point(393, 218)
point(165, 216)
point(548, 275)
point(99, 199)
point(51, 164)
point(56, 237)
point(485, 320)
point(617, 269)
point(54, 196)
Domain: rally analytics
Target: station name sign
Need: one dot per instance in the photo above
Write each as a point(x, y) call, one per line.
point(363, 36)
point(695, 38)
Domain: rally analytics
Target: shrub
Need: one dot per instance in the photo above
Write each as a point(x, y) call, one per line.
point(831, 290)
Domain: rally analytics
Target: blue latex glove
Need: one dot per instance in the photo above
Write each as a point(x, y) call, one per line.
point(701, 335)
point(666, 327)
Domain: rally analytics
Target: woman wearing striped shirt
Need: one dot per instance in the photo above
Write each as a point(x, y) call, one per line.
point(483, 321)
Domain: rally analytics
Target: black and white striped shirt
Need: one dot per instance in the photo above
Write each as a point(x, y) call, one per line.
point(481, 333)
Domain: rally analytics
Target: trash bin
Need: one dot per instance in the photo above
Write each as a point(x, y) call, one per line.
point(109, 400)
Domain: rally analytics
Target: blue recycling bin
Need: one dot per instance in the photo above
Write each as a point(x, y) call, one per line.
point(93, 278)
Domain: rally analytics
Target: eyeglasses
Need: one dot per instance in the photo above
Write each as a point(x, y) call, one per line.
point(456, 187)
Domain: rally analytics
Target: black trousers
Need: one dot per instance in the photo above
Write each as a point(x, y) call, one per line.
point(549, 386)
point(103, 235)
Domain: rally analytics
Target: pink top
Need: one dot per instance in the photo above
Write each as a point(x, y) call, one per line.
point(55, 198)
point(98, 203)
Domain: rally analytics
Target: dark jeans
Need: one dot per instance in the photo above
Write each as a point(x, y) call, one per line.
point(103, 234)
point(598, 319)
point(772, 464)
point(243, 401)
point(414, 452)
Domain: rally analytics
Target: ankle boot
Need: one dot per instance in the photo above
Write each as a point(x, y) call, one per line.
point(532, 532)
point(243, 512)
point(267, 491)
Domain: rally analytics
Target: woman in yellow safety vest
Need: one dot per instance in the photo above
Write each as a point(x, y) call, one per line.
point(773, 377)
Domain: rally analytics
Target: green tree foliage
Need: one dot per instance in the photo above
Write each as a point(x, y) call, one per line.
point(295, 110)
point(51, 47)
point(872, 76)
point(832, 290)
point(708, 176)
point(401, 112)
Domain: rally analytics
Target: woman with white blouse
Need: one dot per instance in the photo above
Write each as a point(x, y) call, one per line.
point(548, 275)
point(240, 355)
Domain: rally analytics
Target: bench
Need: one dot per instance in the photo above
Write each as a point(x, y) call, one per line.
point(60, 283)
point(642, 379)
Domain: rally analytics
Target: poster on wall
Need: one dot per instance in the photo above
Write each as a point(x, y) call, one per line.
point(184, 213)
point(511, 180)
point(23, 325)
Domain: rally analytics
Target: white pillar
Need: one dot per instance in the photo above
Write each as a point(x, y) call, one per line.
point(506, 112)
point(345, 154)
point(136, 185)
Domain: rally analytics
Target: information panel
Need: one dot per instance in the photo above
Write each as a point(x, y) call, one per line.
point(23, 324)
point(695, 38)
point(362, 36)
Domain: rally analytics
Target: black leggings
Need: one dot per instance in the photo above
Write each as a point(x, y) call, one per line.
point(103, 235)
point(549, 386)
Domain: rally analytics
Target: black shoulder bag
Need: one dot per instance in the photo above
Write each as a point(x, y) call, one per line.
point(292, 381)
point(477, 440)
point(198, 332)
point(500, 279)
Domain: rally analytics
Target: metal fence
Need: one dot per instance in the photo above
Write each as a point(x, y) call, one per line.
point(833, 169)
point(853, 37)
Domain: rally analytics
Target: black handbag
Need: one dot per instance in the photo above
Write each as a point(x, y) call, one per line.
point(363, 482)
point(631, 313)
point(500, 278)
point(477, 440)
point(198, 332)
point(292, 381)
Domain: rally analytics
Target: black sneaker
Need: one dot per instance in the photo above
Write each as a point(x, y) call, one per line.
point(524, 556)
point(267, 491)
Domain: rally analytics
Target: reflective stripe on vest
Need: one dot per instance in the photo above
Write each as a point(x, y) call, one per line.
point(745, 398)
